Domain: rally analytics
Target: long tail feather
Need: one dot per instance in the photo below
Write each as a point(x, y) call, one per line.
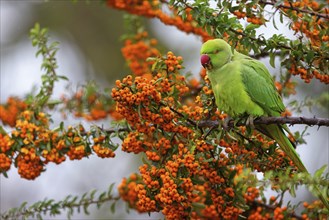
point(275, 132)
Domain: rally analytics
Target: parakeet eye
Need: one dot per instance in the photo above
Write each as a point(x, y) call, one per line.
point(216, 51)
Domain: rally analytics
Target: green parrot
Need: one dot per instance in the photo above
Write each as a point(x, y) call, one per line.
point(243, 86)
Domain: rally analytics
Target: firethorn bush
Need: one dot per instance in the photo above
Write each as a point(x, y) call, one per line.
point(193, 167)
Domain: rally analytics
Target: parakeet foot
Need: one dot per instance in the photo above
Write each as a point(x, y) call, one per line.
point(250, 121)
point(226, 123)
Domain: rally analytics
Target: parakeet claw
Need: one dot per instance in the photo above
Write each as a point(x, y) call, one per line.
point(250, 121)
point(226, 123)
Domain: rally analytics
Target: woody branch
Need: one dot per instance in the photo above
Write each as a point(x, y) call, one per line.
point(274, 120)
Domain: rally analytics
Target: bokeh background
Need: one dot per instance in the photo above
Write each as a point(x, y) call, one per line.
point(89, 35)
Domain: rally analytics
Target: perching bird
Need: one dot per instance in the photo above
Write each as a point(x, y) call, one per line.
point(244, 86)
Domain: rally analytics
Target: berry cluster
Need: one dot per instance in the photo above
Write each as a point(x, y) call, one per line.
point(29, 164)
point(173, 63)
point(303, 22)
point(5, 154)
point(33, 144)
point(307, 75)
point(286, 89)
point(10, 110)
point(136, 51)
point(89, 103)
point(250, 11)
point(152, 9)
point(100, 147)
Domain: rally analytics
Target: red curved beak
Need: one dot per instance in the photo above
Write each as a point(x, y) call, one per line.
point(205, 61)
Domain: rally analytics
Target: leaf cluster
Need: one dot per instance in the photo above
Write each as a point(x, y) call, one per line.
point(40, 39)
point(70, 204)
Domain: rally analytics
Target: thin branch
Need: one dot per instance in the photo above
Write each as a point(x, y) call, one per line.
point(293, 120)
point(54, 208)
point(261, 120)
point(273, 120)
point(320, 15)
point(110, 131)
point(258, 39)
point(180, 114)
point(264, 54)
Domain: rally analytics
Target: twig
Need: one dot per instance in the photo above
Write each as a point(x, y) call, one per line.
point(320, 15)
point(261, 120)
point(180, 114)
point(273, 120)
point(264, 54)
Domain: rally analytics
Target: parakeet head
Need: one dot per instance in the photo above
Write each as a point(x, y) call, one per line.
point(215, 53)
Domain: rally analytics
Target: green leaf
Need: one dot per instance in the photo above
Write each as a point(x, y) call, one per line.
point(192, 148)
point(42, 100)
point(39, 217)
point(113, 207)
point(63, 77)
point(4, 173)
point(54, 102)
point(49, 202)
point(320, 171)
point(53, 45)
point(35, 43)
point(83, 197)
point(22, 207)
point(92, 194)
point(61, 125)
point(292, 191)
point(2, 131)
point(85, 208)
point(198, 205)
point(67, 198)
point(69, 213)
point(74, 199)
point(309, 57)
point(36, 28)
point(101, 197)
point(44, 31)
point(109, 192)
point(251, 27)
point(274, 24)
point(272, 59)
point(44, 78)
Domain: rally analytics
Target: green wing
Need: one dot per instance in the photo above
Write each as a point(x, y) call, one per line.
point(260, 87)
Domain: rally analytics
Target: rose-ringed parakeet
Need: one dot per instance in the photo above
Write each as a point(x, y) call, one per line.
point(244, 86)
